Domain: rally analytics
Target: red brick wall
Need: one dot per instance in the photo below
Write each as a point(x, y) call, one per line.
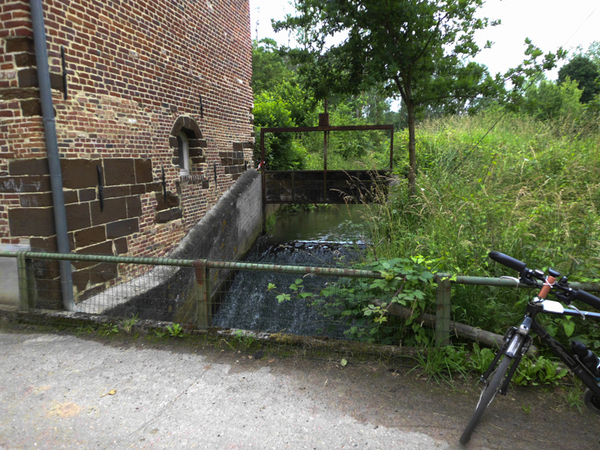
point(136, 73)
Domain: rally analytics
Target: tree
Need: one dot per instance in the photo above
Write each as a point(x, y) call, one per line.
point(417, 51)
point(269, 68)
point(281, 151)
point(592, 53)
point(583, 70)
point(548, 100)
point(279, 101)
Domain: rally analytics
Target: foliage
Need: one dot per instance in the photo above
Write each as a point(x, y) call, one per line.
point(279, 102)
point(592, 53)
point(480, 359)
point(441, 363)
point(533, 371)
point(175, 330)
point(362, 304)
point(538, 371)
point(348, 150)
point(585, 72)
point(590, 118)
point(548, 100)
point(160, 333)
point(128, 324)
point(528, 189)
point(245, 339)
point(281, 151)
point(269, 68)
point(108, 329)
point(526, 73)
point(410, 50)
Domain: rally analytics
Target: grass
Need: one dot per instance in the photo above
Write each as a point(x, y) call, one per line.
point(529, 189)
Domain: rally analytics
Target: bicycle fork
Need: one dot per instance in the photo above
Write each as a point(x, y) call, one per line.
point(516, 343)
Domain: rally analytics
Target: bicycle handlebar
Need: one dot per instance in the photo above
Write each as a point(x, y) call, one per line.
point(588, 298)
point(567, 295)
point(508, 261)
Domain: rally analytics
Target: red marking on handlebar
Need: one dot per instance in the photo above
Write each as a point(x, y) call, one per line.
point(546, 287)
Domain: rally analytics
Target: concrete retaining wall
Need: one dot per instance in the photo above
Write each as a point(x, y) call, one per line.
point(230, 228)
point(9, 277)
point(226, 233)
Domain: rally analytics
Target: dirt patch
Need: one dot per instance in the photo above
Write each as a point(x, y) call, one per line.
point(527, 418)
point(64, 410)
point(395, 394)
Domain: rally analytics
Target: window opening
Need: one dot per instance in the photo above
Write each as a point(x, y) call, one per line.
point(183, 147)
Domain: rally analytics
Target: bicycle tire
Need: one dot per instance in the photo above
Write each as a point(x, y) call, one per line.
point(591, 401)
point(488, 394)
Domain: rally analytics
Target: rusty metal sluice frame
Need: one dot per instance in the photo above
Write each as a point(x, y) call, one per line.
point(325, 128)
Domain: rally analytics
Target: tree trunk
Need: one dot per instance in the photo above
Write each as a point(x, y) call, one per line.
point(412, 152)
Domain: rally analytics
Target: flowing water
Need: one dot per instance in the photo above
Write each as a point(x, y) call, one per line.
point(337, 223)
point(326, 237)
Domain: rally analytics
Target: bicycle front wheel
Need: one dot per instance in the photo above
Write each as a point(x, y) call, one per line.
point(488, 394)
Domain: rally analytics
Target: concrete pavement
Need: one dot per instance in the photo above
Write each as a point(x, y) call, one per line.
point(59, 391)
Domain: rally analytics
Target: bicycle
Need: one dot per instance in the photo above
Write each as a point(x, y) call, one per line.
point(517, 340)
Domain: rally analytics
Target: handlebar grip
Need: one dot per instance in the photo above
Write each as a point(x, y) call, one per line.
point(508, 261)
point(588, 298)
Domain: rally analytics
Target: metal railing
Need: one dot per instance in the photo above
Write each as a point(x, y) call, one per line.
point(188, 293)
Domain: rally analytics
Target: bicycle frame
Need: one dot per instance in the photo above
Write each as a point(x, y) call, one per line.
point(571, 361)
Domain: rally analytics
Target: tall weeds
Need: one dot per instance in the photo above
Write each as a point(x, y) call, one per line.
point(529, 189)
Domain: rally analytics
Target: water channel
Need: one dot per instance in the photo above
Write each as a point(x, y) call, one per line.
point(325, 237)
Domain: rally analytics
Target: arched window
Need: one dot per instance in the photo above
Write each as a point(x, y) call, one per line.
point(183, 147)
point(187, 144)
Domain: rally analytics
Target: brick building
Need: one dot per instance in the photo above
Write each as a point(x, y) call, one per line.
point(152, 104)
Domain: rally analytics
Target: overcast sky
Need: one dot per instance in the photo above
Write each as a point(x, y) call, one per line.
point(548, 23)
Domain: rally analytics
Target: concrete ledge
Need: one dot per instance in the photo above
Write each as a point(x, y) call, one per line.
point(9, 280)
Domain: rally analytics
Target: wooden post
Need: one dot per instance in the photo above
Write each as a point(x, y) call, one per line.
point(262, 166)
point(324, 124)
point(197, 305)
point(203, 303)
point(443, 309)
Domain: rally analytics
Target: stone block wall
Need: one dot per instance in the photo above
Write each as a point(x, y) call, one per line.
point(138, 74)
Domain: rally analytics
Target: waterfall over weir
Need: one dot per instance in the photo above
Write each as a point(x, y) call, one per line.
point(248, 305)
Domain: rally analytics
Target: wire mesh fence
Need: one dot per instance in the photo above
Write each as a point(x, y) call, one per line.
point(239, 299)
point(196, 294)
point(224, 302)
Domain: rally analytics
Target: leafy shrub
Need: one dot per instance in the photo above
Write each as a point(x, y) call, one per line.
point(362, 304)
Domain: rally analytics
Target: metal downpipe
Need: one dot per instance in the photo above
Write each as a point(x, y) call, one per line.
point(58, 199)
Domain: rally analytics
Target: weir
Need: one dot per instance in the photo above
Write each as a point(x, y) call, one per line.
point(324, 186)
point(230, 298)
point(249, 305)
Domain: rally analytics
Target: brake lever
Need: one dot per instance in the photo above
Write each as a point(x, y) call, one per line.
point(581, 313)
point(528, 276)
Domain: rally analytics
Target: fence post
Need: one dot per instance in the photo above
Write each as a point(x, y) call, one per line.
point(203, 297)
point(443, 309)
point(23, 279)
